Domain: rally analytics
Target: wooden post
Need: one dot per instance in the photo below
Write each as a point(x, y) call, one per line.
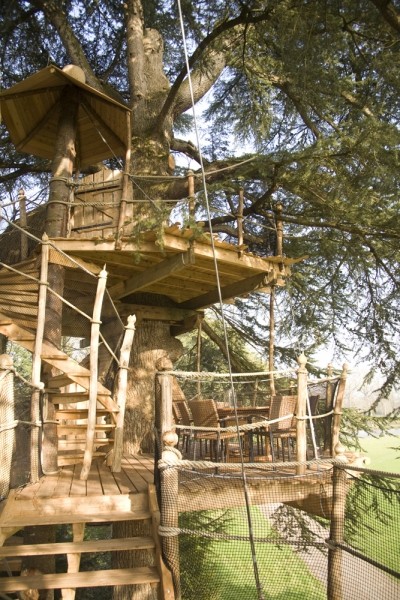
point(56, 226)
point(337, 411)
point(335, 566)
point(198, 357)
point(94, 367)
point(165, 418)
point(37, 361)
point(240, 220)
point(7, 416)
point(23, 223)
point(279, 229)
point(271, 342)
point(328, 408)
point(301, 411)
point(74, 559)
point(191, 195)
point(169, 506)
point(125, 187)
point(120, 392)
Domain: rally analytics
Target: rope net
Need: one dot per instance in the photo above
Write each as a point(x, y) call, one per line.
point(204, 527)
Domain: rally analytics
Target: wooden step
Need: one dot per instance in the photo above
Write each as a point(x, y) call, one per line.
point(138, 575)
point(68, 444)
point(69, 429)
point(19, 512)
point(57, 397)
point(52, 357)
point(76, 459)
point(65, 379)
point(134, 543)
point(76, 413)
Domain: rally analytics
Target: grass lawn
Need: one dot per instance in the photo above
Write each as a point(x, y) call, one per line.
point(227, 573)
point(378, 531)
point(382, 452)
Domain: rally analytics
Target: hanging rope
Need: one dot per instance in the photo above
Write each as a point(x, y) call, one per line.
point(260, 592)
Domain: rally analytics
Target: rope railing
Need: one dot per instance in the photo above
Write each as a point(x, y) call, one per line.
point(215, 375)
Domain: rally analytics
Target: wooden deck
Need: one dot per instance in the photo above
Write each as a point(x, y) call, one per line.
point(65, 498)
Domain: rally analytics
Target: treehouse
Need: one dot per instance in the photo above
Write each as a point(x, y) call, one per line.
point(84, 273)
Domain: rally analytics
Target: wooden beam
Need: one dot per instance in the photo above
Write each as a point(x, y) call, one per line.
point(170, 314)
point(136, 543)
point(174, 243)
point(138, 575)
point(151, 276)
point(230, 291)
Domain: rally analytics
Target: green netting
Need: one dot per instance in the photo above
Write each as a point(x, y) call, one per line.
point(298, 555)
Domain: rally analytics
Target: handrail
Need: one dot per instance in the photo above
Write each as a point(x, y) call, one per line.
point(94, 354)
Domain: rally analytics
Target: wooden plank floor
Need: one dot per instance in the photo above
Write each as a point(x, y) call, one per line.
point(136, 473)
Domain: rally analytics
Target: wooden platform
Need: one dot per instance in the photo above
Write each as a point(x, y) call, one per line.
point(105, 497)
point(64, 498)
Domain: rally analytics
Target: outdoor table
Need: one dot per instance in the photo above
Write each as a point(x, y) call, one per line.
point(249, 413)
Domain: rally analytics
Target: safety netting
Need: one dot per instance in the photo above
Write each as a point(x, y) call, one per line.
point(329, 532)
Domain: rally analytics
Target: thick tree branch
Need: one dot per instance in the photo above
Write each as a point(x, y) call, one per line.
point(188, 148)
point(245, 17)
point(57, 18)
point(340, 226)
point(388, 12)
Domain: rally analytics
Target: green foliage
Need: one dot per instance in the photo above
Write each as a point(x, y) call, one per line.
point(373, 518)
point(310, 92)
point(354, 421)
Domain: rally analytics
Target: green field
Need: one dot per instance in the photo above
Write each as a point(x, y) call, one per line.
point(384, 452)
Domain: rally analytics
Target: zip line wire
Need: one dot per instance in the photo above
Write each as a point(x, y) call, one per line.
point(260, 592)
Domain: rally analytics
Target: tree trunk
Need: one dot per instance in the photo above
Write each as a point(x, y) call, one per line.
point(152, 342)
point(56, 226)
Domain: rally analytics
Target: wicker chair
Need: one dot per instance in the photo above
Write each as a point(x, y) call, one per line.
point(216, 443)
point(283, 433)
point(182, 416)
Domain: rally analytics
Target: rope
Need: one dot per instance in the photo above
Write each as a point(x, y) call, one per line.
point(338, 545)
point(198, 465)
point(14, 424)
point(214, 375)
point(245, 427)
point(312, 429)
point(260, 592)
point(165, 531)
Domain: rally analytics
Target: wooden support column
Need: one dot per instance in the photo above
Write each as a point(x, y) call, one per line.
point(120, 392)
point(7, 416)
point(301, 411)
point(191, 195)
point(94, 368)
point(169, 508)
point(279, 229)
point(164, 399)
point(125, 187)
point(37, 361)
point(56, 226)
point(198, 356)
point(271, 341)
point(337, 411)
point(240, 220)
point(168, 480)
point(335, 558)
point(328, 408)
point(74, 559)
point(23, 223)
